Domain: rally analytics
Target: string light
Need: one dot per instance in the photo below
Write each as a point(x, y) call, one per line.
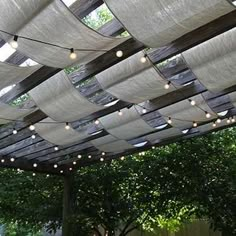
point(153, 147)
point(61, 171)
point(214, 124)
point(194, 124)
point(14, 43)
point(167, 85)
point(14, 131)
point(233, 119)
point(89, 156)
point(55, 166)
point(73, 55)
point(33, 174)
point(101, 159)
point(119, 53)
point(208, 115)
point(12, 159)
point(47, 175)
point(120, 113)
point(218, 120)
point(35, 165)
point(103, 153)
point(169, 120)
point(33, 136)
point(18, 170)
point(56, 148)
point(122, 158)
point(74, 162)
point(192, 102)
point(79, 156)
point(67, 126)
point(96, 122)
point(144, 111)
point(2, 160)
point(70, 169)
point(32, 127)
point(143, 59)
point(228, 121)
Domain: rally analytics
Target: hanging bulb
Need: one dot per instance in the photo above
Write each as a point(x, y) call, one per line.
point(169, 120)
point(192, 102)
point(32, 127)
point(101, 159)
point(55, 166)
point(119, 53)
point(12, 159)
point(120, 113)
point(143, 59)
point(167, 85)
point(79, 156)
point(103, 153)
point(218, 120)
point(47, 175)
point(153, 147)
point(96, 122)
point(2, 160)
point(89, 156)
point(214, 124)
point(56, 148)
point(228, 121)
point(208, 115)
point(33, 174)
point(35, 165)
point(61, 171)
point(70, 169)
point(14, 131)
point(194, 124)
point(14, 43)
point(67, 126)
point(73, 55)
point(144, 110)
point(122, 158)
point(233, 120)
point(74, 162)
point(33, 136)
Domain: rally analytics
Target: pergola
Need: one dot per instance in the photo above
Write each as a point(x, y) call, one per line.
point(172, 78)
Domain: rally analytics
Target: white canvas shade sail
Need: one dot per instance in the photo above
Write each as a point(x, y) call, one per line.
point(183, 113)
point(129, 125)
point(10, 114)
point(51, 21)
point(61, 101)
point(233, 98)
point(12, 74)
point(56, 133)
point(158, 22)
point(133, 81)
point(109, 143)
point(213, 62)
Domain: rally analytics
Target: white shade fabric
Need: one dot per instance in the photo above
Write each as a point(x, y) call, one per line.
point(213, 62)
point(109, 143)
point(51, 21)
point(11, 74)
point(60, 100)
point(233, 98)
point(158, 22)
point(163, 134)
point(183, 113)
point(9, 113)
point(57, 134)
point(133, 81)
point(127, 126)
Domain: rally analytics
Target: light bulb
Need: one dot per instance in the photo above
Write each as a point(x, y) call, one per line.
point(153, 147)
point(192, 102)
point(74, 162)
point(47, 175)
point(33, 136)
point(214, 124)
point(208, 115)
point(218, 120)
point(14, 43)
point(144, 111)
point(35, 165)
point(12, 159)
point(194, 124)
point(228, 121)
point(96, 122)
point(61, 171)
point(167, 85)
point(103, 153)
point(18, 169)
point(33, 174)
point(120, 113)
point(101, 159)
point(2, 160)
point(14, 131)
point(119, 53)
point(70, 169)
point(79, 156)
point(169, 120)
point(89, 156)
point(233, 119)
point(73, 55)
point(56, 148)
point(122, 158)
point(32, 127)
point(67, 127)
point(55, 166)
point(143, 59)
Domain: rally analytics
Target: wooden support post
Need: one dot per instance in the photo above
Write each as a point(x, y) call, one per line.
point(68, 202)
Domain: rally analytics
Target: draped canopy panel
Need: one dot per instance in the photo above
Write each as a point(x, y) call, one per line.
point(60, 100)
point(233, 98)
point(56, 133)
point(158, 22)
point(109, 143)
point(127, 126)
point(133, 81)
point(213, 62)
point(183, 113)
point(11, 74)
point(9, 114)
point(51, 21)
